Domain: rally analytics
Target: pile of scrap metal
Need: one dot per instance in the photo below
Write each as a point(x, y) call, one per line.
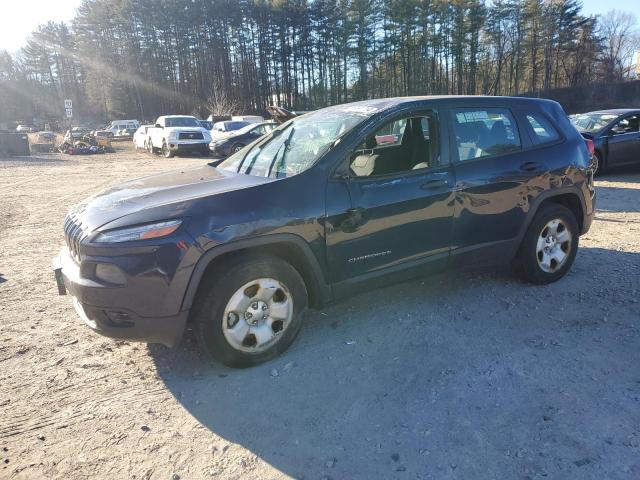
point(86, 145)
point(280, 114)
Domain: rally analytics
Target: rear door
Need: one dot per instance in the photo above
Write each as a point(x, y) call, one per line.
point(624, 141)
point(397, 210)
point(493, 176)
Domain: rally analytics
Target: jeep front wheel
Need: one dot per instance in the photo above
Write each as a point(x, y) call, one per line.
point(549, 246)
point(252, 312)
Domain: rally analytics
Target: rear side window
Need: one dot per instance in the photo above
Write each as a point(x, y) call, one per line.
point(542, 130)
point(485, 133)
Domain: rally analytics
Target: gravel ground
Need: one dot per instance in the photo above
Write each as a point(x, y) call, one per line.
point(458, 376)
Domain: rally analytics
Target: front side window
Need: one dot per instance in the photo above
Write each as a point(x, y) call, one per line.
point(592, 122)
point(230, 126)
point(398, 146)
point(484, 133)
point(626, 125)
point(391, 134)
point(298, 144)
point(542, 129)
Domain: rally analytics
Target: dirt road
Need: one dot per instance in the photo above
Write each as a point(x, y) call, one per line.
point(458, 376)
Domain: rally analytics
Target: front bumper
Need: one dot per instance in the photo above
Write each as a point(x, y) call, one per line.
point(200, 147)
point(95, 305)
point(222, 150)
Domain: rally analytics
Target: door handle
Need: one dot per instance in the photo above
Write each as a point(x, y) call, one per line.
point(435, 183)
point(530, 166)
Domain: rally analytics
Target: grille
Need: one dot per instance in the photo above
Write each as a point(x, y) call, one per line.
point(74, 234)
point(190, 136)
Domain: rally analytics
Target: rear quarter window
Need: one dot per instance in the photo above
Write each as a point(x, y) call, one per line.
point(541, 129)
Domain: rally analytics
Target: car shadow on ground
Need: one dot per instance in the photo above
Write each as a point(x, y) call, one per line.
point(450, 376)
point(2, 278)
point(40, 160)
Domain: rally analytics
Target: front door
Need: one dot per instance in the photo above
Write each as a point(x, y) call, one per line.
point(624, 141)
point(398, 195)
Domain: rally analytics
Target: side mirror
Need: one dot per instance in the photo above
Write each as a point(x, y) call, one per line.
point(157, 125)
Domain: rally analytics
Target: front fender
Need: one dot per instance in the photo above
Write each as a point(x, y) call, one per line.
point(313, 273)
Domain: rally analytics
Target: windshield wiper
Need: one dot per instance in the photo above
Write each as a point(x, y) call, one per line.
point(285, 144)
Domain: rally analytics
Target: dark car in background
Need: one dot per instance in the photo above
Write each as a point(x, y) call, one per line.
point(341, 199)
point(238, 139)
point(615, 135)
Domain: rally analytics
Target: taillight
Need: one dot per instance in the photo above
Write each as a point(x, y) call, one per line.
point(590, 146)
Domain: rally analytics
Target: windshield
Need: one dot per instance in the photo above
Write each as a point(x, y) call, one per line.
point(246, 129)
point(228, 126)
point(298, 144)
point(592, 122)
point(181, 122)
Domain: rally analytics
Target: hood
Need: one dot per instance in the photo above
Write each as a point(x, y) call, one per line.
point(175, 189)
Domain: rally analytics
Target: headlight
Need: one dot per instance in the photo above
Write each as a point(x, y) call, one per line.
point(172, 136)
point(141, 232)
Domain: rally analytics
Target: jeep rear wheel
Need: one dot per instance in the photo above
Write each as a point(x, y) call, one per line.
point(252, 312)
point(549, 246)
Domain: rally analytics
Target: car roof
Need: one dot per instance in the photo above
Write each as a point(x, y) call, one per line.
point(383, 103)
point(615, 111)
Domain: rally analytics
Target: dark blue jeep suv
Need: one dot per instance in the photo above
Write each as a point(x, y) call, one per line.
point(341, 199)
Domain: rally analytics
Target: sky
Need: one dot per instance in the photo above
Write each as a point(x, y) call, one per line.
point(20, 17)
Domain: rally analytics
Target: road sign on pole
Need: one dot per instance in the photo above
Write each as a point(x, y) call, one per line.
point(69, 112)
point(68, 104)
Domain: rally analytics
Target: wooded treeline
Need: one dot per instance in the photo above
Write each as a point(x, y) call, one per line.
point(141, 58)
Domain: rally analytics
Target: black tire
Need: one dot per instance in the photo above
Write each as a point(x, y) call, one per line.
point(217, 290)
point(527, 264)
point(166, 151)
point(236, 148)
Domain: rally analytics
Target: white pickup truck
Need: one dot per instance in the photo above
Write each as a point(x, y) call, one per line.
point(178, 133)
